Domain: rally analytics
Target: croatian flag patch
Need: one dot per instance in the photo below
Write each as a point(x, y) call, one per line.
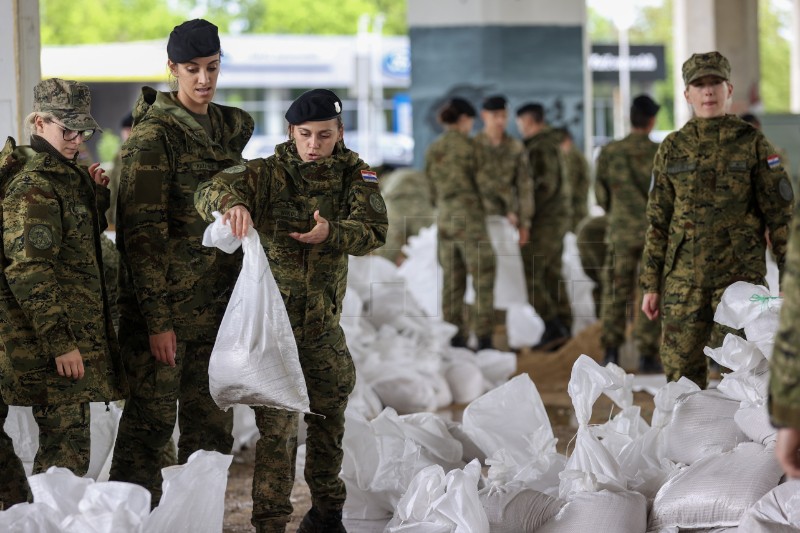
point(369, 175)
point(774, 160)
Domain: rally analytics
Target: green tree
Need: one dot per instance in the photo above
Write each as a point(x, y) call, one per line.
point(773, 23)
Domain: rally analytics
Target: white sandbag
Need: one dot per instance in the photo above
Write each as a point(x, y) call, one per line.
point(104, 422)
point(716, 491)
point(620, 512)
point(754, 422)
point(497, 366)
point(747, 384)
point(193, 498)
point(578, 284)
point(110, 507)
point(23, 430)
point(517, 509)
point(666, 398)
point(422, 271)
point(465, 380)
point(743, 302)
point(364, 399)
point(363, 272)
point(430, 431)
point(470, 449)
point(60, 489)
point(702, 424)
point(509, 281)
point(30, 517)
point(254, 360)
point(409, 393)
point(524, 327)
point(778, 511)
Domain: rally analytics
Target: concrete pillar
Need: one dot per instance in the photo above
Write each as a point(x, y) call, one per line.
point(19, 64)
point(728, 26)
point(529, 50)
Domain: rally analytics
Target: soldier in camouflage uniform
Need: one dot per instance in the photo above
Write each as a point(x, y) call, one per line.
point(59, 347)
point(577, 170)
point(624, 170)
point(542, 254)
point(313, 203)
point(717, 186)
point(173, 290)
point(591, 241)
point(409, 207)
point(451, 164)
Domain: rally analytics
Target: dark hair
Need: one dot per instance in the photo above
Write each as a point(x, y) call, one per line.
point(643, 108)
point(639, 119)
point(535, 110)
point(452, 110)
point(127, 122)
point(564, 134)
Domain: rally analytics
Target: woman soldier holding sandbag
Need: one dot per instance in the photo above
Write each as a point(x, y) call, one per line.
point(314, 202)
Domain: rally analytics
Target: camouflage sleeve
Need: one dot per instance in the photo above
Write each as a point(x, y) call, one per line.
point(546, 169)
point(660, 205)
point(784, 388)
point(429, 156)
point(524, 185)
point(774, 196)
point(144, 210)
point(602, 190)
point(580, 187)
point(32, 232)
point(103, 202)
point(235, 185)
point(365, 228)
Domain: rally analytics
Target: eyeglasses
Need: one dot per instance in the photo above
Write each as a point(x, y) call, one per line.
point(70, 135)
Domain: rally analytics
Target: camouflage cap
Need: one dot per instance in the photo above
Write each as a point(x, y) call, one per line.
point(708, 64)
point(68, 100)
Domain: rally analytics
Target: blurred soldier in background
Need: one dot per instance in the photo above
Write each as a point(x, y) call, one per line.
point(624, 171)
point(577, 170)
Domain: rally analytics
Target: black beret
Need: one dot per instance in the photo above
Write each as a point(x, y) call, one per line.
point(495, 103)
point(645, 105)
point(535, 109)
point(127, 122)
point(313, 106)
point(462, 107)
point(193, 38)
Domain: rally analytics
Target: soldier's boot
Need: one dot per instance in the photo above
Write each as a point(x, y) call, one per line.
point(612, 355)
point(555, 334)
point(650, 365)
point(485, 343)
point(319, 521)
point(271, 525)
point(458, 341)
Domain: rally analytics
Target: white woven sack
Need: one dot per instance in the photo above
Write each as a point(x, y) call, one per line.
point(255, 359)
point(509, 281)
point(716, 490)
point(515, 508)
point(620, 512)
point(778, 511)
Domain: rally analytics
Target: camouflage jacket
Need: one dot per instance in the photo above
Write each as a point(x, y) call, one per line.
point(716, 187)
point(577, 170)
point(451, 164)
point(168, 280)
point(624, 171)
point(551, 189)
point(504, 178)
point(52, 293)
point(784, 388)
point(282, 193)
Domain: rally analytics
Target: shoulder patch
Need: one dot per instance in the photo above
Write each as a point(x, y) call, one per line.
point(785, 190)
point(774, 160)
point(369, 175)
point(235, 169)
point(377, 203)
point(40, 237)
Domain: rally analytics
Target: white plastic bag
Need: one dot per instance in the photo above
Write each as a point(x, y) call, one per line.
point(509, 281)
point(778, 511)
point(523, 326)
point(255, 360)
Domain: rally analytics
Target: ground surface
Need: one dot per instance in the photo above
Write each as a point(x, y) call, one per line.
point(549, 371)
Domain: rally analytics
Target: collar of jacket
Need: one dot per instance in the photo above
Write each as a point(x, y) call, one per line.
point(39, 144)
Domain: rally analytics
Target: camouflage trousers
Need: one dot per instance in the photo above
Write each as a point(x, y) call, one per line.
point(546, 289)
point(620, 280)
point(688, 326)
point(592, 260)
point(459, 257)
point(148, 419)
point(14, 485)
point(330, 377)
point(64, 438)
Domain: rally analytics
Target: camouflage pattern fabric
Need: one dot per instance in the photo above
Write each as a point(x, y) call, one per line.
point(784, 386)
point(69, 100)
point(52, 292)
point(504, 178)
point(64, 437)
point(542, 255)
point(591, 241)
point(624, 172)
point(451, 164)
point(409, 207)
point(577, 170)
point(110, 273)
point(14, 488)
point(282, 193)
point(113, 187)
point(169, 281)
point(716, 189)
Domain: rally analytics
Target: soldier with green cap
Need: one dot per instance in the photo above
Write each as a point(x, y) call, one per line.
point(624, 170)
point(59, 347)
point(313, 202)
point(173, 290)
point(717, 186)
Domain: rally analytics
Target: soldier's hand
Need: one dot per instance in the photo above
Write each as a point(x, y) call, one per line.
point(512, 217)
point(239, 219)
point(316, 235)
point(70, 365)
point(163, 346)
point(524, 235)
point(98, 174)
point(787, 451)
point(650, 305)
